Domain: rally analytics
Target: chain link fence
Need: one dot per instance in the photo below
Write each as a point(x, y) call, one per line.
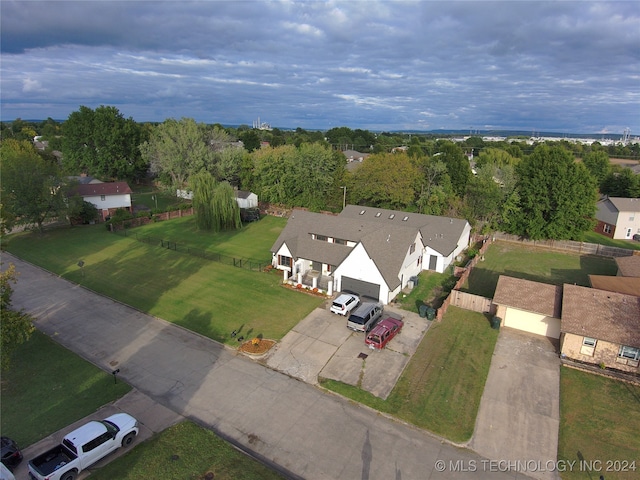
point(246, 263)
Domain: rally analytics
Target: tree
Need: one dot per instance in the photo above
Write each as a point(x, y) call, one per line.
point(32, 189)
point(621, 182)
point(457, 166)
point(557, 196)
point(214, 203)
point(80, 211)
point(386, 180)
point(102, 143)
point(598, 164)
point(250, 140)
point(177, 150)
point(15, 326)
point(229, 165)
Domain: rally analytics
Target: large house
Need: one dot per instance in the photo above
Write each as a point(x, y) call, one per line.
point(371, 251)
point(618, 218)
point(107, 197)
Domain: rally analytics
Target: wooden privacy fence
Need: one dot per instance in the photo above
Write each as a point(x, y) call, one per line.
point(472, 302)
point(581, 248)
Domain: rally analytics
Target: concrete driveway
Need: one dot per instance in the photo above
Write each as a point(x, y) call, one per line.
point(519, 414)
point(321, 345)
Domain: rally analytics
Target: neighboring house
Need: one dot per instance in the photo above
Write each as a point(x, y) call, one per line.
point(354, 159)
point(84, 179)
point(246, 199)
point(628, 266)
point(107, 197)
point(626, 285)
point(601, 327)
point(371, 251)
point(529, 306)
point(618, 218)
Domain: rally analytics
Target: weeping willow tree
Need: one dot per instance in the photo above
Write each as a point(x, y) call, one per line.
point(214, 204)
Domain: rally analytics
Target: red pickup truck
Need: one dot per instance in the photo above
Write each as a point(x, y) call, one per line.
point(383, 332)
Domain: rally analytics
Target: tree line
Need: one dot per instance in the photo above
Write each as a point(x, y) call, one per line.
point(537, 191)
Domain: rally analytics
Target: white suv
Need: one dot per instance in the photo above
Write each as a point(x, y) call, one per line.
point(344, 304)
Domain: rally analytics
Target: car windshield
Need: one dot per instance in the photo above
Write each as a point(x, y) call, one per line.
point(111, 427)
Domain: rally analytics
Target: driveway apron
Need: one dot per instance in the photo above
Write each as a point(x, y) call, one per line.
point(519, 413)
point(295, 427)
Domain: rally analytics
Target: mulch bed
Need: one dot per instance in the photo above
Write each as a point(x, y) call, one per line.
point(262, 347)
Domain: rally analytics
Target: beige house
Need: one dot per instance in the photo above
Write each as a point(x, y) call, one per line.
point(529, 306)
point(601, 327)
point(618, 218)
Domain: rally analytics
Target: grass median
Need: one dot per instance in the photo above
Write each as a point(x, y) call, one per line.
point(185, 451)
point(441, 388)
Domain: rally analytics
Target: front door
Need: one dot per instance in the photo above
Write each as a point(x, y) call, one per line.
point(433, 262)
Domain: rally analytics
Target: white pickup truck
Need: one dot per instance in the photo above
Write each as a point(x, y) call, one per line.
point(83, 447)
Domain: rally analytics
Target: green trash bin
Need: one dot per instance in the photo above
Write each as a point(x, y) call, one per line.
point(423, 310)
point(431, 313)
point(495, 323)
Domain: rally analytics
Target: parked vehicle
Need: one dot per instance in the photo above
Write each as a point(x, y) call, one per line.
point(344, 304)
point(11, 455)
point(364, 318)
point(5, 473)
point(383, 332)
point(83, 447)
point(636, 237)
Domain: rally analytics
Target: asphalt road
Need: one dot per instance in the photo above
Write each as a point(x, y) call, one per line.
point(299, 429)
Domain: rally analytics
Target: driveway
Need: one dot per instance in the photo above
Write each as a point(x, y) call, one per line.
point(297, 429)
point(321, 345)
point(519, 413)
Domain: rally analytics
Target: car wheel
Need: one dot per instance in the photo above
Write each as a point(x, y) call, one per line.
point(69, 475)
point(128, 439)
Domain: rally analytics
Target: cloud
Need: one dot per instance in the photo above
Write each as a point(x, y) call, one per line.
point(559, 66)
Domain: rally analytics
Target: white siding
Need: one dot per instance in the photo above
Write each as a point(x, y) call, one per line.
point(110, 201)
point(358, 265)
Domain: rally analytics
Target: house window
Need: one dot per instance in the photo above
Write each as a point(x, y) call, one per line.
point(322, 238)
point(632, 218)
point(607, 228)
point(329, 268)
point(102, 197)
point(629, 353)
point(588, 346)
point(284, 261)
point(339, 241)
point(413, 248)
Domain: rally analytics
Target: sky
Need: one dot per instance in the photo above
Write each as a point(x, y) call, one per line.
point(559, 66)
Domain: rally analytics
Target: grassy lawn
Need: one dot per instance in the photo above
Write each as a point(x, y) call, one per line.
point(534, 264)
point(593, 237)
point(210, 298)
point(40, 396)
point(153, 198)
point(254, 240)
point(440, 389)
point(599, 421)
point(432, 289)
point(184, 451)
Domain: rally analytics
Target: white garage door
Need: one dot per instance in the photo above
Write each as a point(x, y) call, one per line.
point(532, 323)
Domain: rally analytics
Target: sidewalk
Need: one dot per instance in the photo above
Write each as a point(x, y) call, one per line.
point(298, 429)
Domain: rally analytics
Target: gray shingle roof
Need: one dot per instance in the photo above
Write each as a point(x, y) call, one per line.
point(629, 266)
point(386, 240)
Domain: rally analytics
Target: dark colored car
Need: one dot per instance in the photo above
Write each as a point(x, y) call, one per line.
point(636, 237)
point(383, 332)
point(11, 454)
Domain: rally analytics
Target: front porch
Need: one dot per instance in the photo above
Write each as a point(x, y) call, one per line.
point(313, 279)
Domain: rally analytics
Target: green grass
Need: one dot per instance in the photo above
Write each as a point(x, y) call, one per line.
point(47, 387)
point(207, 297)
point(599, 421)
point(154, 199)
point(441, 388)
point(593, 237)
point(432, 288)
point(534, 264)
point(254, 240)
point(184, 451)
